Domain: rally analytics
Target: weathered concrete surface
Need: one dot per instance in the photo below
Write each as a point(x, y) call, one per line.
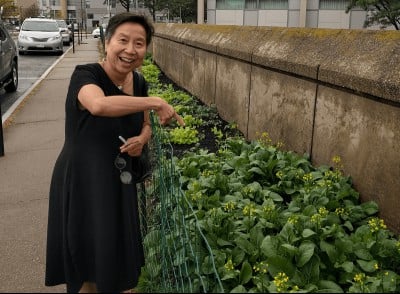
point(366, 136)
point(285, 110)
point(319, 91)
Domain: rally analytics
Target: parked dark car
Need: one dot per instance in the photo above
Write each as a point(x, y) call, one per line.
point(8, 61)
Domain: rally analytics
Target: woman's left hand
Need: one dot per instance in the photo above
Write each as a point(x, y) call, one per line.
point(133, 146)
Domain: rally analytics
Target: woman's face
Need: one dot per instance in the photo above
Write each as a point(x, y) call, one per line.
point(127, 47)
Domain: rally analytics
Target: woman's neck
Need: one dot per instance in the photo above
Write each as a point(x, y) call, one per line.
point(118, 79)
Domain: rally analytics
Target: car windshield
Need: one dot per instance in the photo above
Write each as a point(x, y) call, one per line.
point(42, 26)
point(61, 24)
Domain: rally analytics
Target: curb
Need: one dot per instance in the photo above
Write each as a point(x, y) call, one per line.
point(15, 105)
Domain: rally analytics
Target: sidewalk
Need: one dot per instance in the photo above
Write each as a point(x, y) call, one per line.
point(33, 137)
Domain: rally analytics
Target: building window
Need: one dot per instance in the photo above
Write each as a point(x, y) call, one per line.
point(333, 4)
point(251, 4)
point(90, 15)
point(230, 4)
point(274, 4)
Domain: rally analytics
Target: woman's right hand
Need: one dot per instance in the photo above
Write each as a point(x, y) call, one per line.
point(166, 112)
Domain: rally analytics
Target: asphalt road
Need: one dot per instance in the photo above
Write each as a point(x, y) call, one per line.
point(30, 68)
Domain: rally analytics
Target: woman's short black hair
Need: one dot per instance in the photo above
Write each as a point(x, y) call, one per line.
point(131, 17)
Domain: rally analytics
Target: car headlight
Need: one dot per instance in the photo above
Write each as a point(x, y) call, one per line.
point(55, 38)
point(23, 37)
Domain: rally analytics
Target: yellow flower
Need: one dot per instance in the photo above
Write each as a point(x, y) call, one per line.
point(340, 211)
point(249, 210)
point(336, 159)
point(279, 175)
point(316, 218)
point(229, 206)
point(307, 177)
point(281, 282)
point(359, 278)
point(293, 219)
point(375, 224)
point(323, 211)
point(261, 267)
point(229, 265)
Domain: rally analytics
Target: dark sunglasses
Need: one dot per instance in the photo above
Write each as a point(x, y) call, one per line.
point(125, 176)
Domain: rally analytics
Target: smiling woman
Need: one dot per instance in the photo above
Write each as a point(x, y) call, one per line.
point(94, 241)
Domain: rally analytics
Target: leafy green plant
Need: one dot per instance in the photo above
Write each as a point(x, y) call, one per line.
point(184, 135)
point(273, 221)
point(278, 224)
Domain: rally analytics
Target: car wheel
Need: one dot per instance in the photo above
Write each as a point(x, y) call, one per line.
point(13, 85)
point(21, 52)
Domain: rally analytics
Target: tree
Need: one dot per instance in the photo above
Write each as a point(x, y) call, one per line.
point(383, 12)
point(31, 11)
point(184, 9)
point(155, 5)
point(125, 4)
point(9, 9)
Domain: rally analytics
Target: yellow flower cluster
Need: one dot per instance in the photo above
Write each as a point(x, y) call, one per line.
point(249, 210)
point(247, 190)
point(307, 177)
point(323, 211)
point(293, 219)
point(375, 224)
point(316, 218)
point(340, 211)
point(279, 175)
point(281, 282)
point(261, 267)
point(329, 174)
point(206, 173)
point(229, 265)
point(229, 206)
point(338, 164)
point(269, 208)
point(196, 196)
point(325, 183)
point(213, 212)
point(336, 159)
point(264, 138)
point(359, 278)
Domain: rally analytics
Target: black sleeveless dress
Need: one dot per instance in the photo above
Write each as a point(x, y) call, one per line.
point(93, 222)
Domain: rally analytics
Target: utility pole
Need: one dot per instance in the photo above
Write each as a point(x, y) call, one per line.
point(303, 13)
point(200, 11)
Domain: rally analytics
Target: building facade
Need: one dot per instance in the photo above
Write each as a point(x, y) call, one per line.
point(285, 13)
point(88, 13)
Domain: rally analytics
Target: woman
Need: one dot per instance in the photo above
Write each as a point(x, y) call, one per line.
point(94, 241)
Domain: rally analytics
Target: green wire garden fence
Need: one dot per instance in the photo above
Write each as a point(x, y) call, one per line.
point(178, 257)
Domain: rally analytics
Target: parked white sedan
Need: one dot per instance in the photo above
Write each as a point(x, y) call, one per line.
point(96, 32)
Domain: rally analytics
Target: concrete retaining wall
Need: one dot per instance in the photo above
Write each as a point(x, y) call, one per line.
point(324, 92)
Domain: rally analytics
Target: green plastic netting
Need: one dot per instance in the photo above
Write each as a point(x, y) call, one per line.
point(178, 256)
